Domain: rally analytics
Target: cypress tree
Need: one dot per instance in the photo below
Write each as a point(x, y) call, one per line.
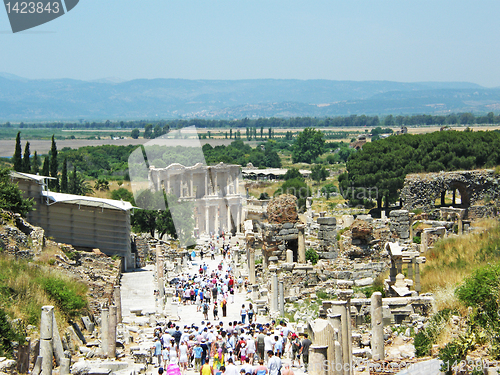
point(64, 177)
point(35, 166)
point(46, 167)
point(72, 181)
point(17, 159)
point(54, 184)
point(26, 159)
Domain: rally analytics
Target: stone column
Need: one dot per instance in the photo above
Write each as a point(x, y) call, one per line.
point(338, 362)
point(65, 363)
point(105, 331)
point(289, 256)
point(281, 301)
point(37, 368)
point(228, 218)
point(410, 269)
point(251, 266)
point(46, 333)
point(460, 225)
point(217, 218)
point(207, 224)
point(206, 182)
point(274, 291)
point(191, 190)
point(418, 288)
point(302, 244)
point(377, 342)
point(393, 271)
point(238, 219)
point(340, 308)
point(118, 303)
point(112, 332)
point(57, 346)
point(424, 241)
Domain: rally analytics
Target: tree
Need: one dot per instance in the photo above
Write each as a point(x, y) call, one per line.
point(78, 185)
point(148, 131)
point(308, 146)
point(101, 184)
point(296, 187)
point(53, 184)
point(270, 133)
point(292, 173)
point(26, 159)
point(135, 133)
point(319, 173)
point(17, 159)
point(46, 166)
point(64, 176)
point(230, 133)
point(11, 197)
point(35, 166)
point(123, 194)
point(261, 132)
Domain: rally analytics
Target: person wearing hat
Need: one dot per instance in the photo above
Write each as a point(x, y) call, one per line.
point(296, 348)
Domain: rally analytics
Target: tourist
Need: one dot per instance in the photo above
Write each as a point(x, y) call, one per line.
point(157, 351)
point(250, 313)
point(243, 313)
point(261, 369)
point(183, 356)
point(206, 369)
point(273, 363)
point(306, 343)
point(216, 311)
point(224, 307)
point(268, 343)
point(251, 348)
point(231, 369)
point(296, 349)
point(287, 370)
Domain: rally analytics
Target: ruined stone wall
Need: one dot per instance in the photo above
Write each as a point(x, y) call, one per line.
point(400, 224)
point(422, 190)
point(275, 237)
point(327, 236)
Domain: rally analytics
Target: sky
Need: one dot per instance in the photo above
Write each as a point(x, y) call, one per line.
point(395, 40)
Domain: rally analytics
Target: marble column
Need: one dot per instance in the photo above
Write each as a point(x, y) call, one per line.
point(340, 308)
point(46, 333)
point(281, 300)
point(418, 288)
point(274, 291)
point(228, 218)
point(207, 222)
point(377, 342)
point(251, 266)
point(112, 332)
point(118, 302)
point(104, 331)
point(301, 244)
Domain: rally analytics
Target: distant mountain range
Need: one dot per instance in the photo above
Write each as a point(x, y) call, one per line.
point(24, 99)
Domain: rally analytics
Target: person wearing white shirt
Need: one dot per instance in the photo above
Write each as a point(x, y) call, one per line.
point(231, 369)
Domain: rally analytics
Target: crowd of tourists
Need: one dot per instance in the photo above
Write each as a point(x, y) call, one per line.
point(239, 347)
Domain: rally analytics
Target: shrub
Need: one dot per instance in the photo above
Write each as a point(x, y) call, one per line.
point(481, 291)
point(312, 255)
point(417, 239)
point(64, 294)
point(8, 334)
point(426, 337)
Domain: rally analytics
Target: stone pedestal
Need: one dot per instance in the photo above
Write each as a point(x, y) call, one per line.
point(289, 256)
point(318, 360)
point(377, 342)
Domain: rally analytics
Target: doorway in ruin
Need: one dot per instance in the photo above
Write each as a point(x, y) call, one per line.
point(294, 246)
point(456, 196)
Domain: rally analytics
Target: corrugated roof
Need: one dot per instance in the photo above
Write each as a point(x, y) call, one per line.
point(29, 176)
point(271, 171)
point(88, 201)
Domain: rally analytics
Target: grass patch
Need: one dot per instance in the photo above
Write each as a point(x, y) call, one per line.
point(26, 286)
point(454, 258)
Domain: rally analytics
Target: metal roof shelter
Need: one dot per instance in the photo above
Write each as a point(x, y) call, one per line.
point(79, 220)
point(269, 173)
